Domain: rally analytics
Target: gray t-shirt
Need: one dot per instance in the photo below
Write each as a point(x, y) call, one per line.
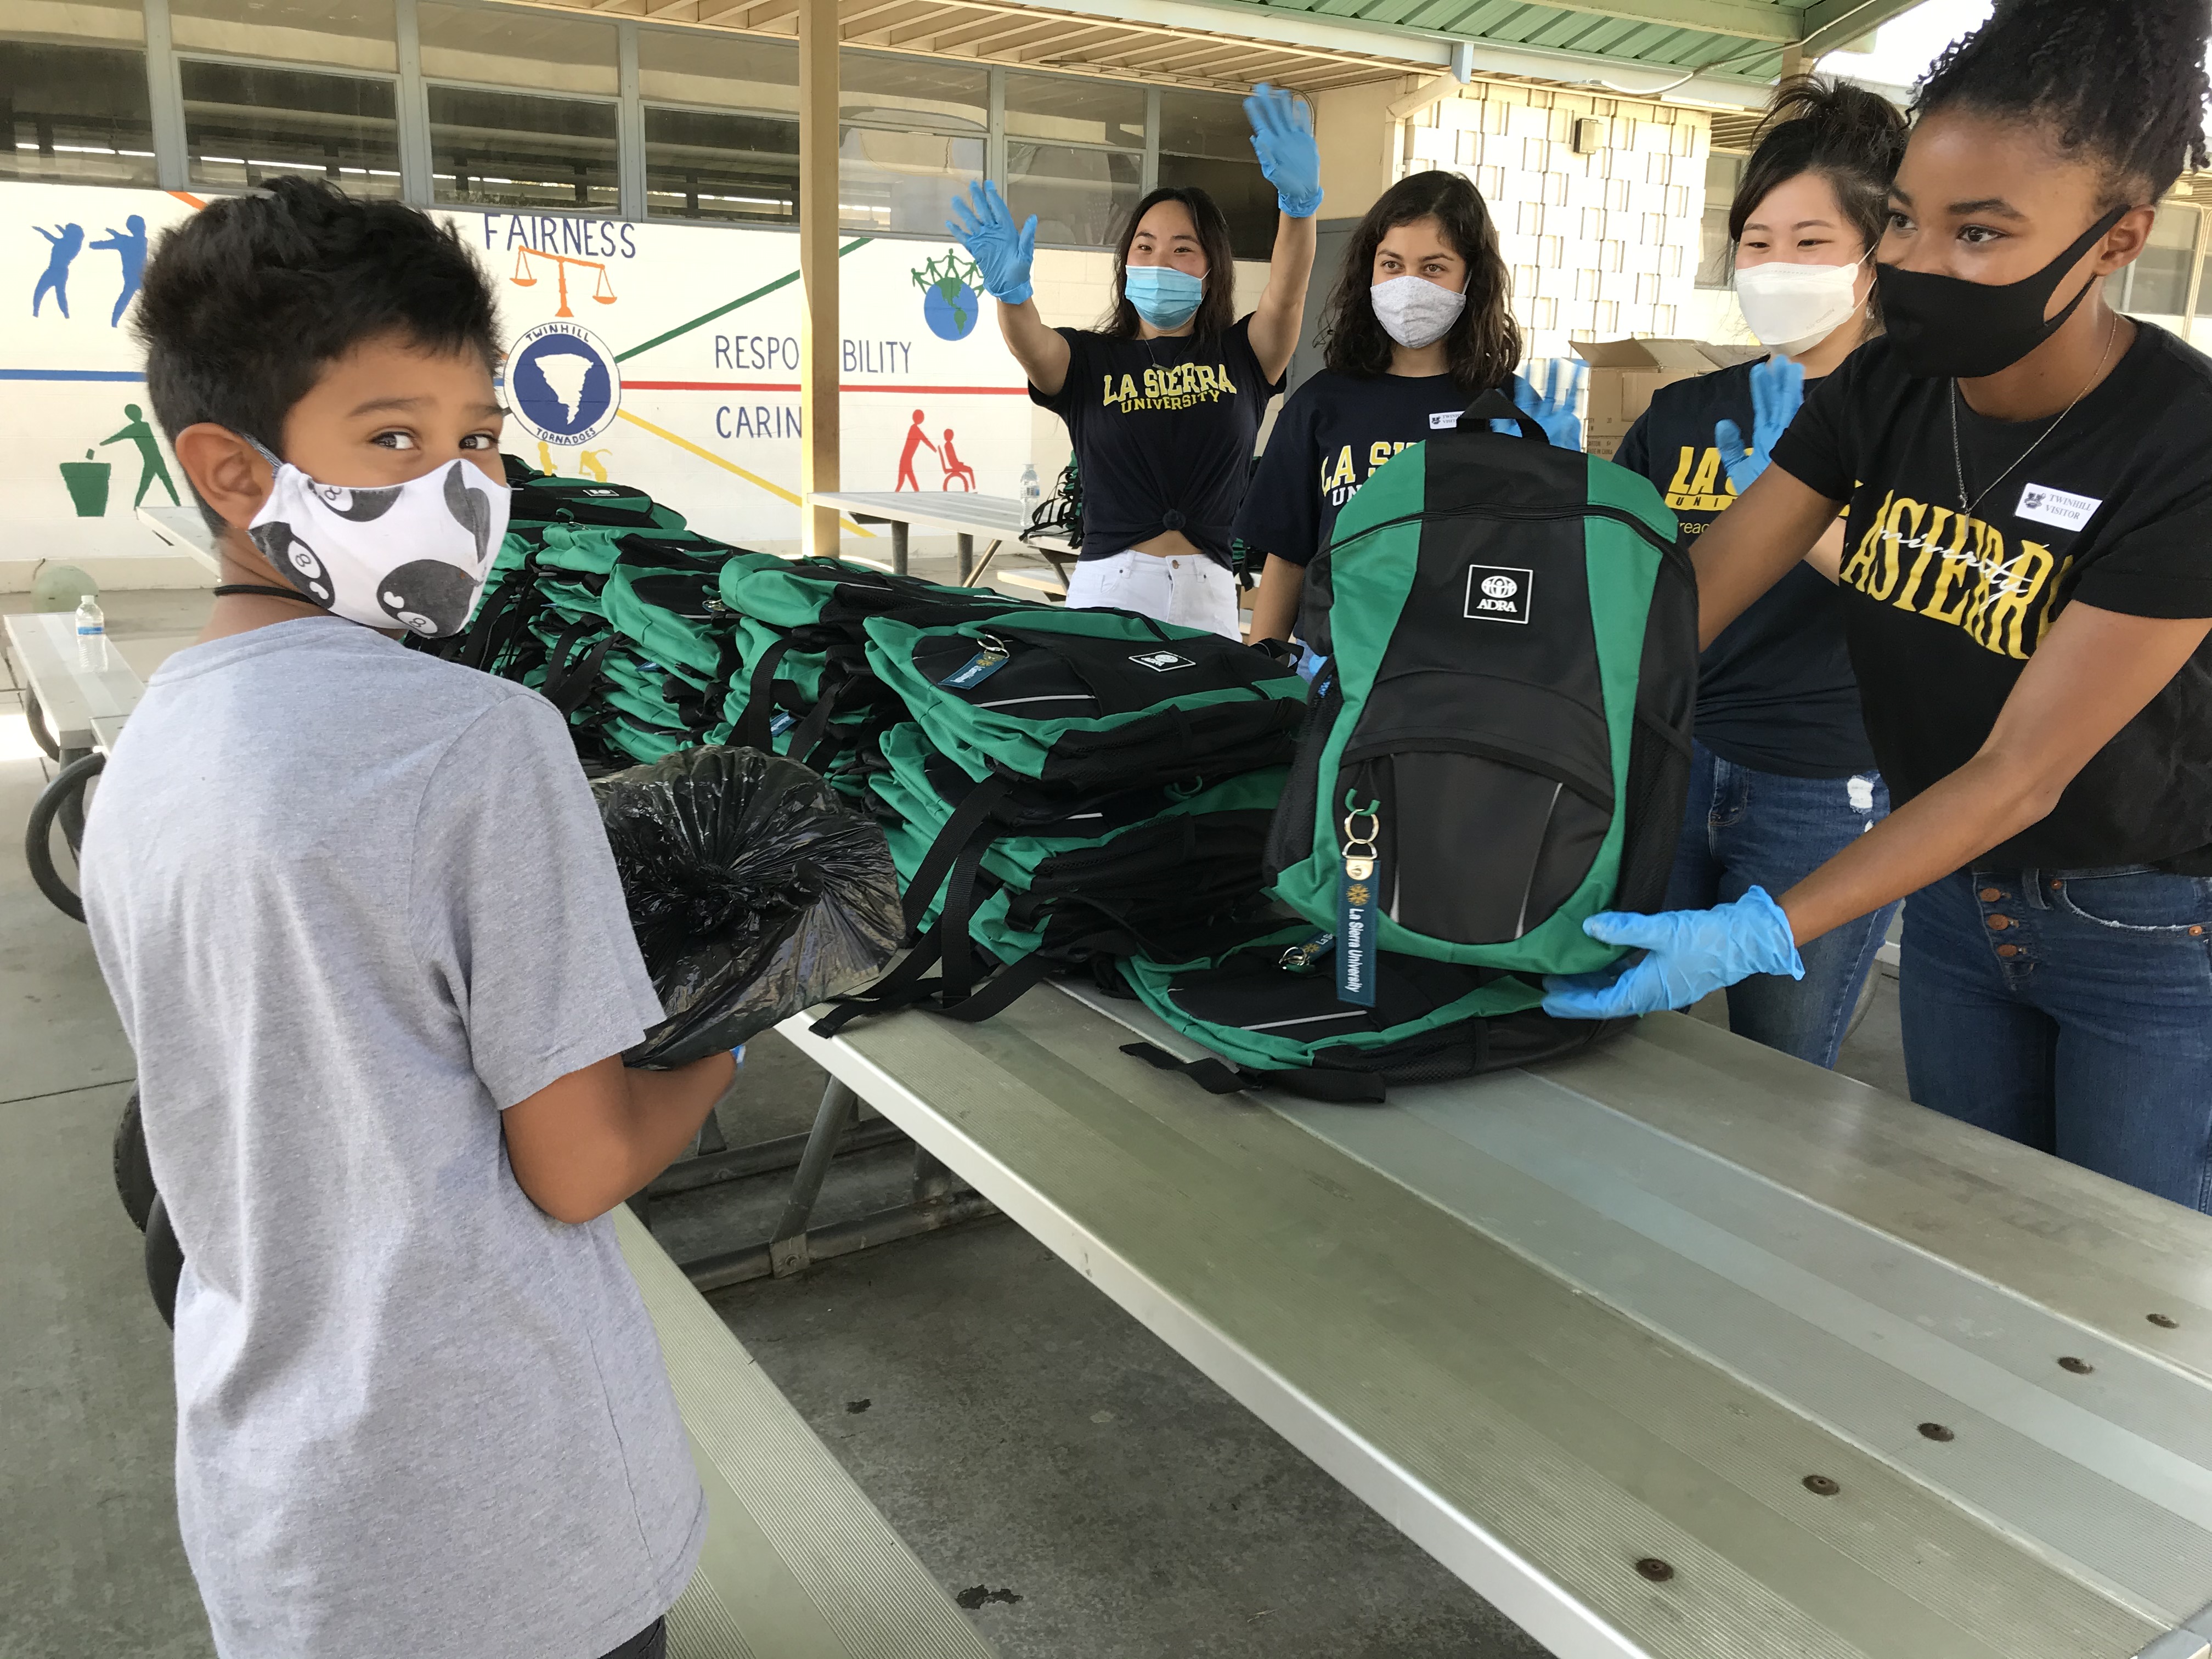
point(353, 903)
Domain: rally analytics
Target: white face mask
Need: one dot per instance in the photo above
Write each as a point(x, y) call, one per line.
point(1414, 312)
point(414, 554)
point(1793, 308)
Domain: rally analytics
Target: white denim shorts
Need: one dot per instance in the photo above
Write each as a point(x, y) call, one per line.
point(1190, 593)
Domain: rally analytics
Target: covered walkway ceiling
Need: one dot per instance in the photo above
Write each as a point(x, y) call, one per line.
point(1716, 52)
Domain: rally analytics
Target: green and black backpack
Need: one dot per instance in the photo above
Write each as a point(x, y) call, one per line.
point(1498, 749)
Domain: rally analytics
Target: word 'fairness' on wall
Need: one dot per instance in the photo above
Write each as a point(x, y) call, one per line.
point(549, 233)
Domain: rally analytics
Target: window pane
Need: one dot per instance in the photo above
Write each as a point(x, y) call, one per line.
point(750, 76)
point(703, 165)
point(1239, 190)
point(1205, 123)
point(2161, 281)
point(510, 149)
point(78, 115)
point(910, 136)
point(244, 125)
point(1079, 196)
point(337, 33)
point(533, 49)
point(1058, 107)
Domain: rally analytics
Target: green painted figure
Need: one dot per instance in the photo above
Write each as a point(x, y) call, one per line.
point(151, 465)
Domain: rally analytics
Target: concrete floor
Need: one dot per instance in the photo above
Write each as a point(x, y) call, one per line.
point(1083, 1490)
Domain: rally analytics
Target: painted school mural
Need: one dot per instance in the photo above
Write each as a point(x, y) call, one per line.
point(665, 357)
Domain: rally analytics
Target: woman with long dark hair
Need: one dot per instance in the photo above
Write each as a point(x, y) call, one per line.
point(1419, 324)
point(2027, 585)
point(1163, 399)
point(1781, 776)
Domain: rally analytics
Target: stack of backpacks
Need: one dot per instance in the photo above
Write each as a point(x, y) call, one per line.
point(1330, 889)
point(1059, 788)
point(602, 599)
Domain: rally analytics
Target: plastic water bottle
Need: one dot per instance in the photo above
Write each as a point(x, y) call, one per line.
point(1032, 493)
point(91, 633)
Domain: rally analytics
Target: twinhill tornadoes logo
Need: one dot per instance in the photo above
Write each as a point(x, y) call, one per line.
point(563, 386)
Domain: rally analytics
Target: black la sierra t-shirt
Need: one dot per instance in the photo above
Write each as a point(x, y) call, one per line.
point(1775, 690)
point(1162, 431)
point(1942, 611)
point(1332, 435)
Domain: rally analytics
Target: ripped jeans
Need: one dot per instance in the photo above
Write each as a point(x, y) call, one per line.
point(2071, 1011)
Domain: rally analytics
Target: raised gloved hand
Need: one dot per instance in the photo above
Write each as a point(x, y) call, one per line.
point(1001, 250)
point(1777, 392)
point(1283, 139)
point(1690, 954)
point(1554, 406)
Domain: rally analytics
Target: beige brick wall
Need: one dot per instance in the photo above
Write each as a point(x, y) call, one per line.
point(1600, 246)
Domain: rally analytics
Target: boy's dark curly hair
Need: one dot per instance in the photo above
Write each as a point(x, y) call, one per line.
point(1485, 343)
point(247, 301)
point(2118, 83)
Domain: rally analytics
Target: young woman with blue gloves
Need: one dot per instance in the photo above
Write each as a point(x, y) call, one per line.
point(1782, 778)
point(1419, 324)
point(2026, 584)
point(1164, 401)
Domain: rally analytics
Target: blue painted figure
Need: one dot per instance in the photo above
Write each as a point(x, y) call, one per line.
point(130, 247)
point(67, 241)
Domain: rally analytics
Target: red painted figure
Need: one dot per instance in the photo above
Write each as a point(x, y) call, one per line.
point(916, 438)
point(954, 466)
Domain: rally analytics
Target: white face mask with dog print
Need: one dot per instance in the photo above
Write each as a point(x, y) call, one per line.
point(412, 555)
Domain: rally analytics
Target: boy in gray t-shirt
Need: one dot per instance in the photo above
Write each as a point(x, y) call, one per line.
point(367, 939)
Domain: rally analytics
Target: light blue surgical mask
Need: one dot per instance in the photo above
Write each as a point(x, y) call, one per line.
point(1164, 296)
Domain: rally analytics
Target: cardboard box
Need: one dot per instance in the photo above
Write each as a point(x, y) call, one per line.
point(1625, 373)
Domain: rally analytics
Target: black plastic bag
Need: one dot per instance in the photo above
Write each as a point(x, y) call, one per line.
point(753, 892)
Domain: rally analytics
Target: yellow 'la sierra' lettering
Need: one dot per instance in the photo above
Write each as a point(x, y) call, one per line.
point(1960, 571)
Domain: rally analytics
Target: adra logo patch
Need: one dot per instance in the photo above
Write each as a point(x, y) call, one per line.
point(1498, 593)
point(1161, 662)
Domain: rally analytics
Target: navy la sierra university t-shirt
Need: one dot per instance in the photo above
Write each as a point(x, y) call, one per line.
point(1162, 431)
point(1942, 609)
point(1775, 692)
point(1332, 436)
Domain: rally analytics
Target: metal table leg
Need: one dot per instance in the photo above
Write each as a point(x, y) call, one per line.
point(966, 558)
point(899, 546)
point(984, 564)
point(788, 1253)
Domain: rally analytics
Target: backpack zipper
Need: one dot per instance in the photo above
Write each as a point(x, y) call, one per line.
point(1671, 550)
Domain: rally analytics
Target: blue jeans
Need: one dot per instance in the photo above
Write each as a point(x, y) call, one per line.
point(1743, 828)
point(2071, 1011)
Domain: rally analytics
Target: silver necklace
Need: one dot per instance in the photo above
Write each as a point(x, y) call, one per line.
point(1958, 457)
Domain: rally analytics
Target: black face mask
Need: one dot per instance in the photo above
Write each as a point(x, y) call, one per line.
point(1944, 327)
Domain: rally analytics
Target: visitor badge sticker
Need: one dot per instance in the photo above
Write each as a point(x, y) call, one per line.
point(563, 386)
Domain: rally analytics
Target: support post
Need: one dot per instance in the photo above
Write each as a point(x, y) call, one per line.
point(818, 344)
point(416, 186)
point(629, 149)
point(1794, 60)
point(165, 100)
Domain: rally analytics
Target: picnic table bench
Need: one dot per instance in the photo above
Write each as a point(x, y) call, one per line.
point(1678, 1348)
point(798, 1564)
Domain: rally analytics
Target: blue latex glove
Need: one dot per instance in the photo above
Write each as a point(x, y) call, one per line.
point(1283, 139)
point(1002, 252)
point(1690, 955)
point(1554, 406)
point(1777, 392)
